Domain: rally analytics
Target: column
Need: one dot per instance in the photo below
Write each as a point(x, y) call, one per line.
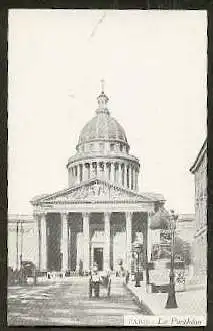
point(133, 177)
point(125, 175)
point(88, 170)
point(108, 170)
point(130, 177)
point(129, 240)
point(92, 169)
point(101, 166)
point(43, 262)
point(84, 172)
point(98, 170)
point(86, 241)
point(38, 223)
point(136, 179)
point(107, 241)
point(120, 174)
point(80, 175)
point(64, 241)
point(113, 172)
point(72, 176)
point(76, 174)
point(69, 246)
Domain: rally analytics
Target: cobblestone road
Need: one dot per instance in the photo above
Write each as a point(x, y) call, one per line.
point(67, 303)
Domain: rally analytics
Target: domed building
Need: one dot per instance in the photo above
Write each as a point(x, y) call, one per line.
point(101, 214)
point(103, 152)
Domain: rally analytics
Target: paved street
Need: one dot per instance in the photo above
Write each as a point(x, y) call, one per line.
point(67, 303)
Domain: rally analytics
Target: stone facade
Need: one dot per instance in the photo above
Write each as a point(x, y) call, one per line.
point(185, 227)
point(199, 169)
point(101, 213)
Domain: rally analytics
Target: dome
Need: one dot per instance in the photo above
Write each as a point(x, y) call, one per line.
point(102, 127)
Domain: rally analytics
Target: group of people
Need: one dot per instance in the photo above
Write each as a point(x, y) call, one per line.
point(97, 279)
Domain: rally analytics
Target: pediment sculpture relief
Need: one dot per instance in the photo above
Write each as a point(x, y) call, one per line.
point(96, 191)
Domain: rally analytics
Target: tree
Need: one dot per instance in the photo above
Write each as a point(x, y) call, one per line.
point(183, 249)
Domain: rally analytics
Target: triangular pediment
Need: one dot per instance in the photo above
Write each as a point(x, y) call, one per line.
point(93, 190)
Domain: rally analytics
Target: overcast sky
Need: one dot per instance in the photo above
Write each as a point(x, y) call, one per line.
point(154, 64)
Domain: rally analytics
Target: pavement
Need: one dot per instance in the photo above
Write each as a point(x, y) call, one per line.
point(66, 302)
point(191, 302)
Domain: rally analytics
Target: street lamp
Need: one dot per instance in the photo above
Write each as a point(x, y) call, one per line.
point(171, 300)
point(137, 249)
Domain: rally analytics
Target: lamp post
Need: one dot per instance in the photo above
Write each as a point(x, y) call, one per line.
point(171, 300)
point(21, 256)
point(137, 249)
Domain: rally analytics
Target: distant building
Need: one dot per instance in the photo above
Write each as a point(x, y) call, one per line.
point(199, 170)
point(185, 227)
point(22, 240)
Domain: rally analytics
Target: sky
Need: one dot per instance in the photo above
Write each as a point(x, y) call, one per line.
point(154, 64)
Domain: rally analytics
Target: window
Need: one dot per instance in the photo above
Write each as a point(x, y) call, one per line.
point(91, 147)
point(112, 147)
point(101, 147)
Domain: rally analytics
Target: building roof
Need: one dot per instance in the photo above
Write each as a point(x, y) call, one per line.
point(25, 218)
point(199, 157)
point(186, 218)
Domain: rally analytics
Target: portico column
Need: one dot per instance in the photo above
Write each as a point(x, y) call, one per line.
point(86, 241)
point(38, 228)
point(43, 225)
point(64, 241)
point(107, 241)
point(129, 239)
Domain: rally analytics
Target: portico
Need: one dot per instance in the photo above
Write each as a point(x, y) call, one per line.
point(77, 226)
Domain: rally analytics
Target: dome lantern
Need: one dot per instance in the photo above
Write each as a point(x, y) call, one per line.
point(102, 100)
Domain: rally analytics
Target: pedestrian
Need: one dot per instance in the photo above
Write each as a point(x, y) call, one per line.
point(95, 281)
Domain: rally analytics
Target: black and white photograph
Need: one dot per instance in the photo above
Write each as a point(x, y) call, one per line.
point(107, 167)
